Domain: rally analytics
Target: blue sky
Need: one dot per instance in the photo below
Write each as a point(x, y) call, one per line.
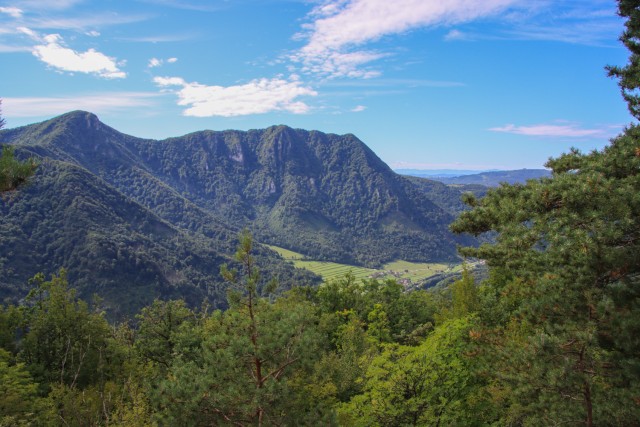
point(427, 84)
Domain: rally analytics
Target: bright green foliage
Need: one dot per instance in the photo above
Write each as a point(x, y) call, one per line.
point(408, 314)
point(378, 323)
point(464, 296)
point(79, 362)
point(19, 401)
point(464, 299)
point(65, 342)
point(13, 173)
point(432, 384)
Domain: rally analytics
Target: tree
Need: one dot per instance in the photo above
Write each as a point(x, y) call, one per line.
point(432, 384)
point(571, 247)
point(629, 75)
point(13, 173)
point(19, 401)
point(254, 363)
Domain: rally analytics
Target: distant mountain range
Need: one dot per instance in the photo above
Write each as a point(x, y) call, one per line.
point(485, 178)
point(135, 218)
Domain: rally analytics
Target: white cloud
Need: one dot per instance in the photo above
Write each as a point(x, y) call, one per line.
point(569, 130)
point(256, 97)
point(53, 53)
point(154, 62)
point(93, 33)
point(14, 12)
point(96, 103)
point(358, 108)
point(29, 32)
point(341, 26)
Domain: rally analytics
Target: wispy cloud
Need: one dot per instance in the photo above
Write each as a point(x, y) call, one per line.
point(97, 103)
point(155, 62)
point(595, 33)
point(566, 130)
point(47, 4)
point(340, 28)
point(457, 35)
point(162, 38)
point(358, 109)
point(52, 51)
point(386, 82)
point(83, 22)
point(256, 97)
point(593, 22)
point(14, 12)
point(202, 6)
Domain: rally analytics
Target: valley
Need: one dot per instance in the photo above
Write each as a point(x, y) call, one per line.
point(409, 274)
point(162, 217)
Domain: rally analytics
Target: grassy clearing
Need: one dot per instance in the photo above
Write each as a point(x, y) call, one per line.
point(286, 253)
point(410, 271)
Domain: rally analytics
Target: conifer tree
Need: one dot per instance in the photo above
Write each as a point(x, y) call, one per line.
point(571, 243)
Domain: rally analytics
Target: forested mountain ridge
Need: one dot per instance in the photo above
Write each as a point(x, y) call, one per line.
point(325, 195)
point(110, 245)
point(134, 218)
point(491, 178)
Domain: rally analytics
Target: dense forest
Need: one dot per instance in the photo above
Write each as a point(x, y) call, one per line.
point(134, 219)
point(550, 338)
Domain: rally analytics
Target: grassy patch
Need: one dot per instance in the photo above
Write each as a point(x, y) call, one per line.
point(411, 271)
point(286, 253)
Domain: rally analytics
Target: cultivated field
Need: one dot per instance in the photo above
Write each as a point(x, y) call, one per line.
point(411, 271)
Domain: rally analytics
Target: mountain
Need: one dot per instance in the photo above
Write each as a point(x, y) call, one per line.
point(439, 173)
point(159, 217)
point(488, 179)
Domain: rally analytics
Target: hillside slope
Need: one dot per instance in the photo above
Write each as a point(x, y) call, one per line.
point(129, 213)
point(324, 195)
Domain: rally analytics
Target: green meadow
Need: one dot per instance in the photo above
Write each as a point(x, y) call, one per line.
point(398, 269)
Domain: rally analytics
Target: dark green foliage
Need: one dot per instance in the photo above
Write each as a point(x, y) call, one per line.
point(447, 197)
point(324, 195)
point(572, 244)
point(158, 218)
point(253, 364)
point(629, 75)
point(110, 245)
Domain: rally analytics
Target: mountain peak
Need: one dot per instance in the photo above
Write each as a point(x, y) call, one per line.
point(83, 118)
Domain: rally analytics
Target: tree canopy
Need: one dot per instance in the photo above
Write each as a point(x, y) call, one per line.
point(567, 255)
